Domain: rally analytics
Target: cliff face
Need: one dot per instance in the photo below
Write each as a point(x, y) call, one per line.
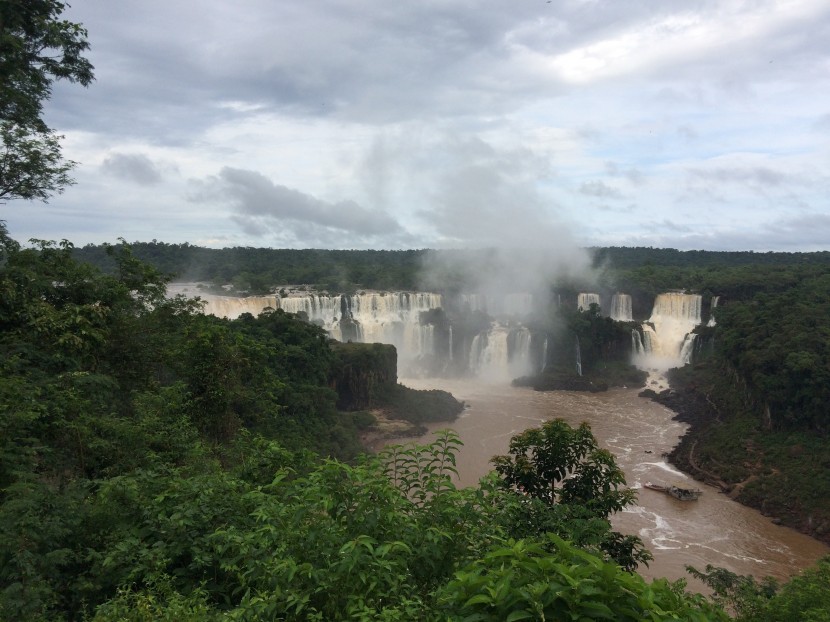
point(361, 371)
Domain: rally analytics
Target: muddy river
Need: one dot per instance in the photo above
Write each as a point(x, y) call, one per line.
point(713, 530)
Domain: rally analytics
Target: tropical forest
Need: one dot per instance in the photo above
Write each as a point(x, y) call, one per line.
point(192, 433)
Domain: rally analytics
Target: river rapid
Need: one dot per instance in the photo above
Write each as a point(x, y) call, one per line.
point(713, 530)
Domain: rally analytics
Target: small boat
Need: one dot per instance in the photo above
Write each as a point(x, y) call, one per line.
point(679, 491)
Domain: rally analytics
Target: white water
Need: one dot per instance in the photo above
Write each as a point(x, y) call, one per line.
point(585, 300)
point(714, 305)
point(667, 341)
point(621, 308)
point(380, 317)
point(492, 358)
point(503, 352)
point(714, 530)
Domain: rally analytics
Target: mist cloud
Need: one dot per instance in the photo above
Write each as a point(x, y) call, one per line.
point(490, 198)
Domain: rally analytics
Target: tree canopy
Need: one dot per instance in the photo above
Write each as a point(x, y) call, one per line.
point(37, 47)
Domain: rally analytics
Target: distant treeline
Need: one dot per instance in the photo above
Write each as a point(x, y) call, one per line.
point(621, 257)
point(641, 270)
point(259, 270)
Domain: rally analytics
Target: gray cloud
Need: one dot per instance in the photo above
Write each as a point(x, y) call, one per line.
point(364, 60)
point(752, 176)
point(805, 232)
point(261, 205)
point(133, 167)
point(599, 190)
point(526, 100)
point(687, 132)
point(633, 175)
point(628, 209)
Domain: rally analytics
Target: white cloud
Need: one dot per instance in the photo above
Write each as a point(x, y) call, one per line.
point(456, 122)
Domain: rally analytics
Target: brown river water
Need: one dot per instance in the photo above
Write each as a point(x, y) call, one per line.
point(712, 530)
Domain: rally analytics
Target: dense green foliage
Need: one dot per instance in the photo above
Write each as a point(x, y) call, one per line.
point(758, 397)
point(390, 538)
point(571, 486)
point(804, 598)
point(259, 270)
point(155, 465)
point(36, 48)
point(779, 343)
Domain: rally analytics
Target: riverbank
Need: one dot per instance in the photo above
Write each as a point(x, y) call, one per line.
point(399, 411)
point(713, 530)
point(780, 473)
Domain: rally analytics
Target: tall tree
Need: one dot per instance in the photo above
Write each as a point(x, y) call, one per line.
point(37, 47)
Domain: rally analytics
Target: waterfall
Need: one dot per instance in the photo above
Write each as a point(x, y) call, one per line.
point(688, 348)
point(472, 302)
point(376, 317)
point(578, 358)
point(504, 351)
point(637, 347)
point(489, 354)
point(666, 337)
point(451, 355)
point(584, 301)
point(714, 304)
point(621, 308)
point(519, 353)
point(501, 354)
point(427, 340)
point(232, 307)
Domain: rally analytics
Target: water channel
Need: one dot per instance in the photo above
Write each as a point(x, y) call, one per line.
point(713, 530)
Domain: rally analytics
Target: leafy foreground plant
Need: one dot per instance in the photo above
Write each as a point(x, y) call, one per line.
point(390, 538)
point(554, 580)
point(568, 486)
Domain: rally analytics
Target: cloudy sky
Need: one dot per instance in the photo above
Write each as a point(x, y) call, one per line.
point(447, 123)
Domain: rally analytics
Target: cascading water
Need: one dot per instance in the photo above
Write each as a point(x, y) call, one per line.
point(450, 337)
point(585, 300)
point(376, 317)
point(713, 306)
point(621, 308)
point(503, 352)
point(500, 353)
point(519, 354)
point(637, 343)
point(667, 339)
point(232, 307)
point(578, 358)
point(488, 354)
